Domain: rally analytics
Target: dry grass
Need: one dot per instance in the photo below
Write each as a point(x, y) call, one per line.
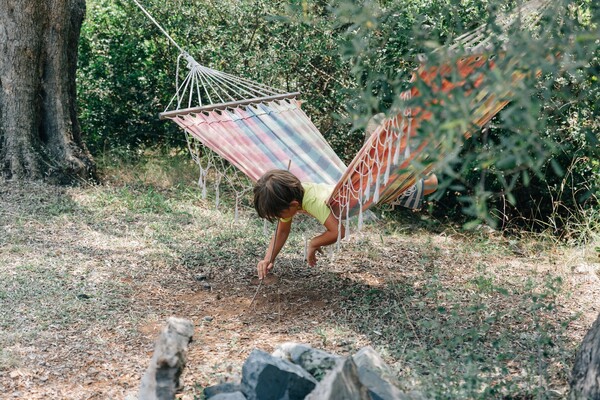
point(89, 275)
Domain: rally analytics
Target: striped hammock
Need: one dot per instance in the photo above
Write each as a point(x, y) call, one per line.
point(386, 166)
point(257, 128)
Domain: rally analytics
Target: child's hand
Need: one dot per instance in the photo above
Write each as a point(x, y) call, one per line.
point(312, 255)
point(263, 268)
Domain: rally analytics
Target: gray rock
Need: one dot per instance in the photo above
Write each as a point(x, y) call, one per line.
point(229, 396)
point(222, 388)
point(585, 378)
point(316, 362)
point(376, 375)
point(265, 377)
point(291, 351)
point(161, 380)
point(341, 383)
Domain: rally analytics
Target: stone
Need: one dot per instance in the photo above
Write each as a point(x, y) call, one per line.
point(227, 387)
point(341, 383)
point(265, 377)
point(161, 380)
point(376, 375)
point(229, 396)
point(585, 378)
point(316, 362)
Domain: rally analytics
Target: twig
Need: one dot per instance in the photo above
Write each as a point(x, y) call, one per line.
point(270, 262)
point(257, 290)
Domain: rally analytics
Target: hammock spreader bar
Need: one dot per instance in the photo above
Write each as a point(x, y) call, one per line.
point(223, 106)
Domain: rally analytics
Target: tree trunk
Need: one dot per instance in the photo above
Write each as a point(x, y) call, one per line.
point(585, 380)
point(40, 137)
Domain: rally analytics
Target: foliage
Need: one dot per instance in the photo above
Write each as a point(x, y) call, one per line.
point(536, 164)
point(127, 67)
point(515, 168)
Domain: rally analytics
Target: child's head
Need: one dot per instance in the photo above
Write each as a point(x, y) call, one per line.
point(274, 192)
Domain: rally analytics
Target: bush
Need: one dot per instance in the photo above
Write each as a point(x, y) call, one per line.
point(537, 161)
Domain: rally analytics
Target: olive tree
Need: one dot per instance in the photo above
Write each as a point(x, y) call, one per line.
point(40, 137)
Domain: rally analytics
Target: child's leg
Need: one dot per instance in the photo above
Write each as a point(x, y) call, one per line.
point(431, 184)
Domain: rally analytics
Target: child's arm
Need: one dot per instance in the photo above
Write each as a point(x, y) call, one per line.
point(266, 265)
point(332, 228)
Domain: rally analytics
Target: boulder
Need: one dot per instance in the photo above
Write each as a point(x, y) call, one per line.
point(376, 375)
point(161, 380)
point(229, 396)
point(585, 378)
point(265, 377)
point(316, 362)
point(341, 383)
point(223, 388)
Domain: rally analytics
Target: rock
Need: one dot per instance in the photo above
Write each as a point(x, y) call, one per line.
point(265, 377)
point(223, 388)
point(291, 351)
point(375, 374)
point(161, 380)
point(585, 378)
point(229, 396)
point(316, 362)
point(341, 383)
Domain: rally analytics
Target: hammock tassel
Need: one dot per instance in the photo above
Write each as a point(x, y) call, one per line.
point(390, 140)
point(339, 235)
point(347, 235)
point(407, 150)
point(368, 190)
point(377, 189)
point(237, 209)
point(202, 181)
point(217, 193)
point(360, 204)
point(399, 144)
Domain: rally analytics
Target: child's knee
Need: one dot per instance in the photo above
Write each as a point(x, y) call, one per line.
point(430, 184)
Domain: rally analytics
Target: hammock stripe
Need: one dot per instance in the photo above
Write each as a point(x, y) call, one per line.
point(260, 137)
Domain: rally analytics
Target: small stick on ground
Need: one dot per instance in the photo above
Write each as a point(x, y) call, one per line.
point(257, 290)
point(270, 262)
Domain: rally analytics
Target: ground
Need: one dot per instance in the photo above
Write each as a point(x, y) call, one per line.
point(88, 277)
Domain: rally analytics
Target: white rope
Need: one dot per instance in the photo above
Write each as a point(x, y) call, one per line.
point(206, 79)
point(225, 87)
point(159, 27)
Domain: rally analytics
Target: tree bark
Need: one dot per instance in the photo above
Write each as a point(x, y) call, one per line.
point(585, 379)
point(40, 136)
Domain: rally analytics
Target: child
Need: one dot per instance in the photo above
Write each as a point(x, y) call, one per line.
point(279, 194)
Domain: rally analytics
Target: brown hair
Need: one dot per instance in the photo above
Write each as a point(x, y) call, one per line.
point(274, 192)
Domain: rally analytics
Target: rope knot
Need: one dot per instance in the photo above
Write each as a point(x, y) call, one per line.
point(191, 63)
